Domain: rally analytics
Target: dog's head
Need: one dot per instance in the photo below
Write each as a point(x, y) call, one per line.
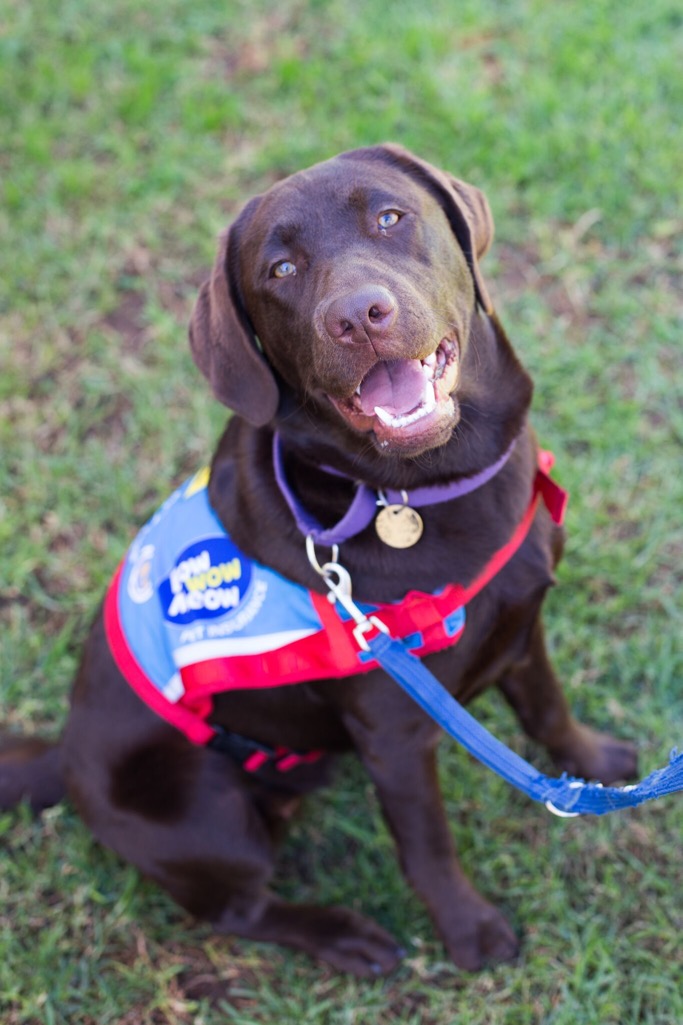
point(349, 288)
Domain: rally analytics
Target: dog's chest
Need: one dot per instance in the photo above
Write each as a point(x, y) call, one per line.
point(189, 616)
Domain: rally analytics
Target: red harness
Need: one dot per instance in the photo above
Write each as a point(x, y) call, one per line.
point(426, 622)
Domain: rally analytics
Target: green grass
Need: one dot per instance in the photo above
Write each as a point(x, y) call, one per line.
point(130, 132)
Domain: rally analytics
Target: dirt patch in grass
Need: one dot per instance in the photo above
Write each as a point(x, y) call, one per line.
point(261, 44)
point(217, 972)
point(523, 269)
point(127, 320)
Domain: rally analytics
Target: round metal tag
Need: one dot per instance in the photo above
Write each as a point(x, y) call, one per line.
point(399, 526)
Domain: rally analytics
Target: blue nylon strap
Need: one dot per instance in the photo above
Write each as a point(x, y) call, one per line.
point(565, 795)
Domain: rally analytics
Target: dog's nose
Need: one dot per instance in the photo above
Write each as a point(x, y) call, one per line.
point(361, 316)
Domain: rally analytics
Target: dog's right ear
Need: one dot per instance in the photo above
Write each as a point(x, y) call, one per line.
point(223, 343)
point(465, 206)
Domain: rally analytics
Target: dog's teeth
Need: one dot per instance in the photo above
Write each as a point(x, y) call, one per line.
point(385, 417)
point(426, 406)
point(430, 360)
point(429, 401)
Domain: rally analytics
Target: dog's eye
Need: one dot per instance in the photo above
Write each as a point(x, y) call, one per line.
point(389, 218)
point(283, 269)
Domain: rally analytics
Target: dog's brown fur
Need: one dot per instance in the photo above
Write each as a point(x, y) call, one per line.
point(188, 816)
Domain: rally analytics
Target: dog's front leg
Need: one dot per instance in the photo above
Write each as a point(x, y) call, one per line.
point(401, 759)
point(533, 691)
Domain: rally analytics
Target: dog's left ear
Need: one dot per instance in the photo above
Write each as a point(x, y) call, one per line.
point(222, 341)
point(465, 206)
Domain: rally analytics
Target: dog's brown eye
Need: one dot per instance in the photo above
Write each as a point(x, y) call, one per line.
point(388, 219)
point(283, 269)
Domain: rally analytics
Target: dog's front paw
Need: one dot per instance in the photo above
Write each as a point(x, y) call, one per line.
point(479, 935)
point(352, 943)
point(599, 756)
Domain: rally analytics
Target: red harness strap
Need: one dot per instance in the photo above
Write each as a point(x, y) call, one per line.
point(422, 612)
point(555, 499)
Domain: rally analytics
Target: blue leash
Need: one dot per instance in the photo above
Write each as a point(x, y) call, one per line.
point(566, 796)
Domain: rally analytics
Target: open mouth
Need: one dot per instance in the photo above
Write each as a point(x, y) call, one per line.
point(401, 399)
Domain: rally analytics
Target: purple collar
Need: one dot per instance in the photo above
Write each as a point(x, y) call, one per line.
point(364, 505)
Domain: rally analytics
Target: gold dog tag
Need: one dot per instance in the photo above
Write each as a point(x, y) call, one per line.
point(399, 526)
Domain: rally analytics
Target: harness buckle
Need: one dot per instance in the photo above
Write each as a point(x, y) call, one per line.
point(361, 629)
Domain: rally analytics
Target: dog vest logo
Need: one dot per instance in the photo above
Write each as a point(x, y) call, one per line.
point(140, 586)
point(210, 578)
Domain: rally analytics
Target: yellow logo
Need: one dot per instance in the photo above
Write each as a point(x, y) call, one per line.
point(198, 482)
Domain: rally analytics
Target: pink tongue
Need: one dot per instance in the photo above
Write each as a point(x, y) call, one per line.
point(396, 385)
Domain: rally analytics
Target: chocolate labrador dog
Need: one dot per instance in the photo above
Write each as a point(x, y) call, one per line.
point(347, 317)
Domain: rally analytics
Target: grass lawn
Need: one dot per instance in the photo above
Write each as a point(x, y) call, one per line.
point(130, 133)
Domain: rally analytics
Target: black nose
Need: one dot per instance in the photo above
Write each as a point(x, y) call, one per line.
point(361, 316)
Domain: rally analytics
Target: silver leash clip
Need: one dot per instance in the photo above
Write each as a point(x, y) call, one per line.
point(338, 580)
point(575, 784)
